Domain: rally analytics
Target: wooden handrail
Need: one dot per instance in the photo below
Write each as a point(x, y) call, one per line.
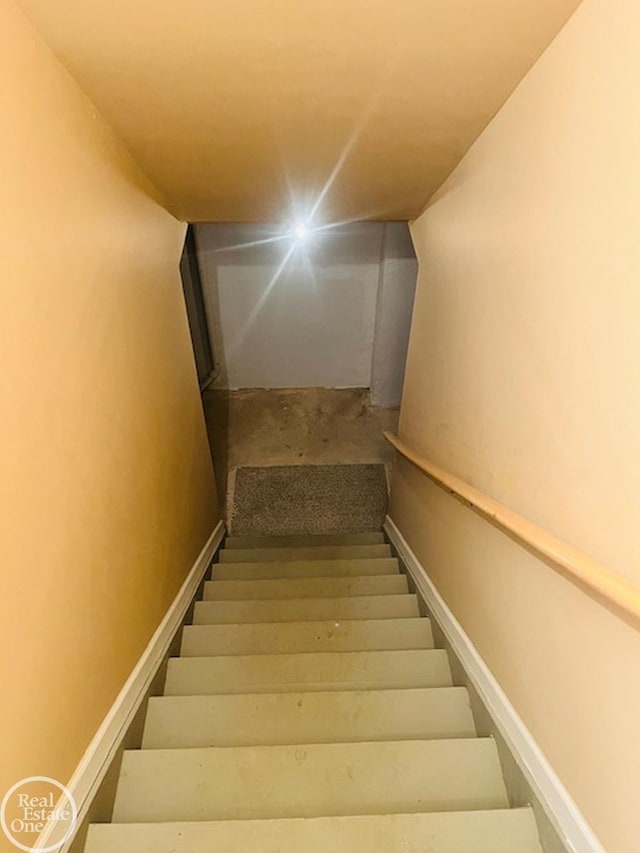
point(611, 589)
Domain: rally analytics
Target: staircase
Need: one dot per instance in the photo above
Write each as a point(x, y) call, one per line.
point(309, 712)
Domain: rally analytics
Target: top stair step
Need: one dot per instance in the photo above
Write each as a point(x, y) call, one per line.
point(322, 552)
point(311, 540)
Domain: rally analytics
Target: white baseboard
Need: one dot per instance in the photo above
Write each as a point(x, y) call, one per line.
point(574, 830)
point(102, 750)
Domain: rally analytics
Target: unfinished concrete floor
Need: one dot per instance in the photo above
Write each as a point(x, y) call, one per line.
point(294, 426)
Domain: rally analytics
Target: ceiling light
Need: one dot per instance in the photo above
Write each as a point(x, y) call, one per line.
point(301, 232)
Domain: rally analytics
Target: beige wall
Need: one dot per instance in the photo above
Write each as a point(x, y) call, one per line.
point(106, 487)
point(268, 109)
point(523, 378)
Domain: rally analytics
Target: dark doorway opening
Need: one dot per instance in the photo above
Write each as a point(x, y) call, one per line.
point(196, 311)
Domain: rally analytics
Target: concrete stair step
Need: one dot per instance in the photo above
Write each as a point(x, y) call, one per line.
point(308, 671)
point(307, 609)
point(270, 719)
point(281, 588)
point(496, 831)
point(311, 780)
point(311, 540)
point(291, 637)
point(322, 552)
point(306, 569)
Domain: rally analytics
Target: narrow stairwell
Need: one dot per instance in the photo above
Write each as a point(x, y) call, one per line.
point(310, 711)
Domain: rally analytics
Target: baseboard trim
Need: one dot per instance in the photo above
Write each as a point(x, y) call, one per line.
point(569, 822)
point(100, 753)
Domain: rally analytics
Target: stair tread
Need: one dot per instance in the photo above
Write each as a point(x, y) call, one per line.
point(309, 780)
point(304, 540)
point(308, 671)
point(495, 831)
point(328, 635)
point(322, 552)
point(321, 717)
point(322, 587)
point(297, 610)
point(306, 568)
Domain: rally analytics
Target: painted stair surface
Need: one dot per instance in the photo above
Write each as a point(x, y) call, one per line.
point(309, 710)
point(306, 609)
point(349, 635)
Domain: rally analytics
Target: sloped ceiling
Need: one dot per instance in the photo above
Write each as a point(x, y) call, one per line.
point(262, 110)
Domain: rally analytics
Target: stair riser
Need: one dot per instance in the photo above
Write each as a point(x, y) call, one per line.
point(337, 552)
point(306, 569)
point(249, 590)
point(293, 718)
point(310, 541)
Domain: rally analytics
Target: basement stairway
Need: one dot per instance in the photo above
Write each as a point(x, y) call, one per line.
point(310, 712)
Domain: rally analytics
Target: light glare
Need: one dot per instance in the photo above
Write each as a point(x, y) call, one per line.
point(301, 232)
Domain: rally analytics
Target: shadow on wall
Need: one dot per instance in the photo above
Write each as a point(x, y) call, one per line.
point(196, 311)
point(332, 310)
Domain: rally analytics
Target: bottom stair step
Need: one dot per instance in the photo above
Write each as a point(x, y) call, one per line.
point(499, 831)
point(310, 780)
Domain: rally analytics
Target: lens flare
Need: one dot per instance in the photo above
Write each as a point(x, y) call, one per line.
point(301, 232)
